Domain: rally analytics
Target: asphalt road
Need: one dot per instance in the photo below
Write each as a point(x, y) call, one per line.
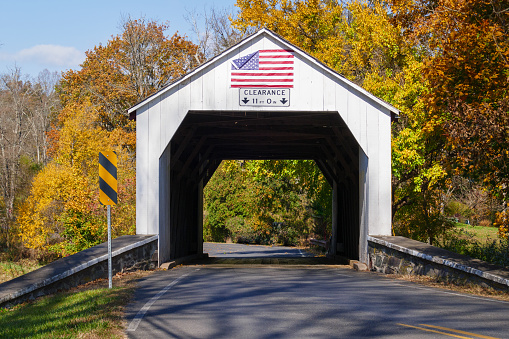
point(255, 301)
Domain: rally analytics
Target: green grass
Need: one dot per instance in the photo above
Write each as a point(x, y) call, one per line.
point(12, 269)
point(83, 312)
point(478, 242)
point(479, 233)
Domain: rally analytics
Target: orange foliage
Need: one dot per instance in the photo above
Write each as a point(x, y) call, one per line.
point(467, 67)
point(129, 68)
point(62, 215)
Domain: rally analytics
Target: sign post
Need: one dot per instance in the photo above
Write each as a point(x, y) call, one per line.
point(108, 194)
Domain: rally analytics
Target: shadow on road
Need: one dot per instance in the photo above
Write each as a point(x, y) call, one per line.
point(265, 261)
point(242, 254)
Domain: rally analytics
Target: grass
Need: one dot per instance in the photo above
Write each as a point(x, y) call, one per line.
point(89, 311)
point(468, 288)
point(12, 269)
point(480, 233)
point(477, 242)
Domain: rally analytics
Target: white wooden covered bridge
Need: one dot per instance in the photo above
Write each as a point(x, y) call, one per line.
point(262, 99)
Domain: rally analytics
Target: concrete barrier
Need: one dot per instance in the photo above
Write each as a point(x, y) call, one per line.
point(128, 253)
point(399, 255)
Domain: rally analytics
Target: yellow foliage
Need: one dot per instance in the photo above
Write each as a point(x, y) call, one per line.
point(355, 39)
point(80, 139)
point(66, 190)
point(62, 212)
point(55, 188)
point(502, 222)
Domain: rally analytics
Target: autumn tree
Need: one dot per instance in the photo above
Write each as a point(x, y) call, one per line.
point(133, 65)
point(26, 106)
point(467, 68)
point(355, 39)
point(62, 215)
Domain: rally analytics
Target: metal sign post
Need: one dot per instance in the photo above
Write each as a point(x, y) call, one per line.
point(108, 195)
point(110, 271)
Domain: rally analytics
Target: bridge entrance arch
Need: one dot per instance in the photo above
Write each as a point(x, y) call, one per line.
point(262, 99)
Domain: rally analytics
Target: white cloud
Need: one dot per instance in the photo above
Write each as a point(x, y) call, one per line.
point(47, 55)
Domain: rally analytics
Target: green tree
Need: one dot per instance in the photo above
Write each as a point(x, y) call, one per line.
point(270, 201)
point(229, 201)
point(296, 196)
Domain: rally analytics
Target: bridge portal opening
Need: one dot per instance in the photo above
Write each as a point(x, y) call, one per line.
point(275, 202)
point(205, 138)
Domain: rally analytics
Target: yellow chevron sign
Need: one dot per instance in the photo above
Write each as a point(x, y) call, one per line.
point(108, 178)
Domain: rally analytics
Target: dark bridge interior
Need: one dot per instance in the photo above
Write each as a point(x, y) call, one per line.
point(205, 138)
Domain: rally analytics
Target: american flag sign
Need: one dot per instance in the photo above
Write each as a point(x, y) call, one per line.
point(266, 68)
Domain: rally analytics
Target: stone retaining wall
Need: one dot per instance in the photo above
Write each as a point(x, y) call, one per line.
point(128, 253)
point(389, 258)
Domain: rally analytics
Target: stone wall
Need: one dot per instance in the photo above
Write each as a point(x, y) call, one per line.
point(128, 253)
point(390, 258)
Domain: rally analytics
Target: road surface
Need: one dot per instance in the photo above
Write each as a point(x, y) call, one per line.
point(255, 301)
point(220, 250)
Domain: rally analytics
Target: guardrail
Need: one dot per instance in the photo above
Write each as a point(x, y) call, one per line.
point(321, 243)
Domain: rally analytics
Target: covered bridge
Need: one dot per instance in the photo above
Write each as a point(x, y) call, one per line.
point(263, 98)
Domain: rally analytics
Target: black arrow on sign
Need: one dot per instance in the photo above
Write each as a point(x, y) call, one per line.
point(245, 101)
point(284, 101)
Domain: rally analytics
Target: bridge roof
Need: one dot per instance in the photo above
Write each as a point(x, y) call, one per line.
point(297, 51)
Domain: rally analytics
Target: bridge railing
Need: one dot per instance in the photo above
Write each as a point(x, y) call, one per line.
point(321, 243)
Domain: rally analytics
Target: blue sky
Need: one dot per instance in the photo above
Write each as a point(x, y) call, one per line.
point(54, 34)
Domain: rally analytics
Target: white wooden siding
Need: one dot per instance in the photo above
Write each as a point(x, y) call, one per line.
point(315, 89)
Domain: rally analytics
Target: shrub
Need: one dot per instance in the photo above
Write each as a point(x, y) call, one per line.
point(457, 209)
point(462, 242)
point(485, 223)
